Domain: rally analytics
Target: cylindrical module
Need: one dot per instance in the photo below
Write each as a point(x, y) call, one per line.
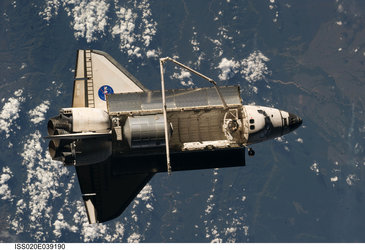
point(145, 131)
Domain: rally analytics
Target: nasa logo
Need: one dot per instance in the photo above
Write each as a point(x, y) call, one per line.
point(104, 90)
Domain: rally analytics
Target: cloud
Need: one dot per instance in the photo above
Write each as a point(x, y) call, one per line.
point(152, 53)
point(149, 26)
point(351, 179)
point(279, 139)
point(40, 189)
point(90, 232)
point(23, 66)
point(129, 34)
point(228, 68)
point(134, 238)
point(222, 225)
point(300, 140)
point(37, 114)
point(184, 76)
point(5, 192)
point(194, 42)
point(254, 67)
point(334, 179)
point(50, 10)
point(61, 224)
point(314, 167)
point(124, 28)
point(146, 195)
point(10, 112)
point(90, 21)
point(89, 16)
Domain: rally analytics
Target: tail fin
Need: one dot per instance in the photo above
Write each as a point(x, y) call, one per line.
point(98, 74)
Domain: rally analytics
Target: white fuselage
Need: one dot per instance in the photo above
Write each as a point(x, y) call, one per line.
point(267, 123)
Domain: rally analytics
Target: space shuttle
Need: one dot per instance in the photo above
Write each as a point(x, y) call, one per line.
point(118, 134)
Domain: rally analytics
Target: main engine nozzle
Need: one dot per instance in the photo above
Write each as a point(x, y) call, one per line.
point(80, 152)
point(73, 139)
point(60, 124)
point(60, 150)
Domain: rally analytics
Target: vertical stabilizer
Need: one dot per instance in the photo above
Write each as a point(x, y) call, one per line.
point(97, 74)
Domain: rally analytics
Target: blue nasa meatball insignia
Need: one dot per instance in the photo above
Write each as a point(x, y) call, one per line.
point(105, 90)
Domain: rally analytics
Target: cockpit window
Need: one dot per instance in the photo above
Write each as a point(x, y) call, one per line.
point(252, 127)
point(252, 121)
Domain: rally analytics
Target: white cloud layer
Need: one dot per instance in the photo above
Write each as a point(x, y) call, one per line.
point(37, 114)
point(228, 68)
point(152, 53)
point(10, 112)
point(315, 168)
point(300, 140)
point(253, 68)
point(132, 36)
point(89, 16)
point(184, 76)
point(216, 229)
point(5, 192)
point(42, 185)
point(134, 238)
point(134, 26)
point(194, 42)
point(351, 179)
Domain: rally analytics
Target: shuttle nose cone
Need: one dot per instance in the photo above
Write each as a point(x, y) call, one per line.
point(294, 121)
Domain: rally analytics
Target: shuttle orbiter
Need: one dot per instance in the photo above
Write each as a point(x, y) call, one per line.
point(118, 134)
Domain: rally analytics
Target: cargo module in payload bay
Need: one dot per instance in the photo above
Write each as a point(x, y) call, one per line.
point(118, 134)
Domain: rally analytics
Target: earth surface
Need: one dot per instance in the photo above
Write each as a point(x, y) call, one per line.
point(306, 57)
